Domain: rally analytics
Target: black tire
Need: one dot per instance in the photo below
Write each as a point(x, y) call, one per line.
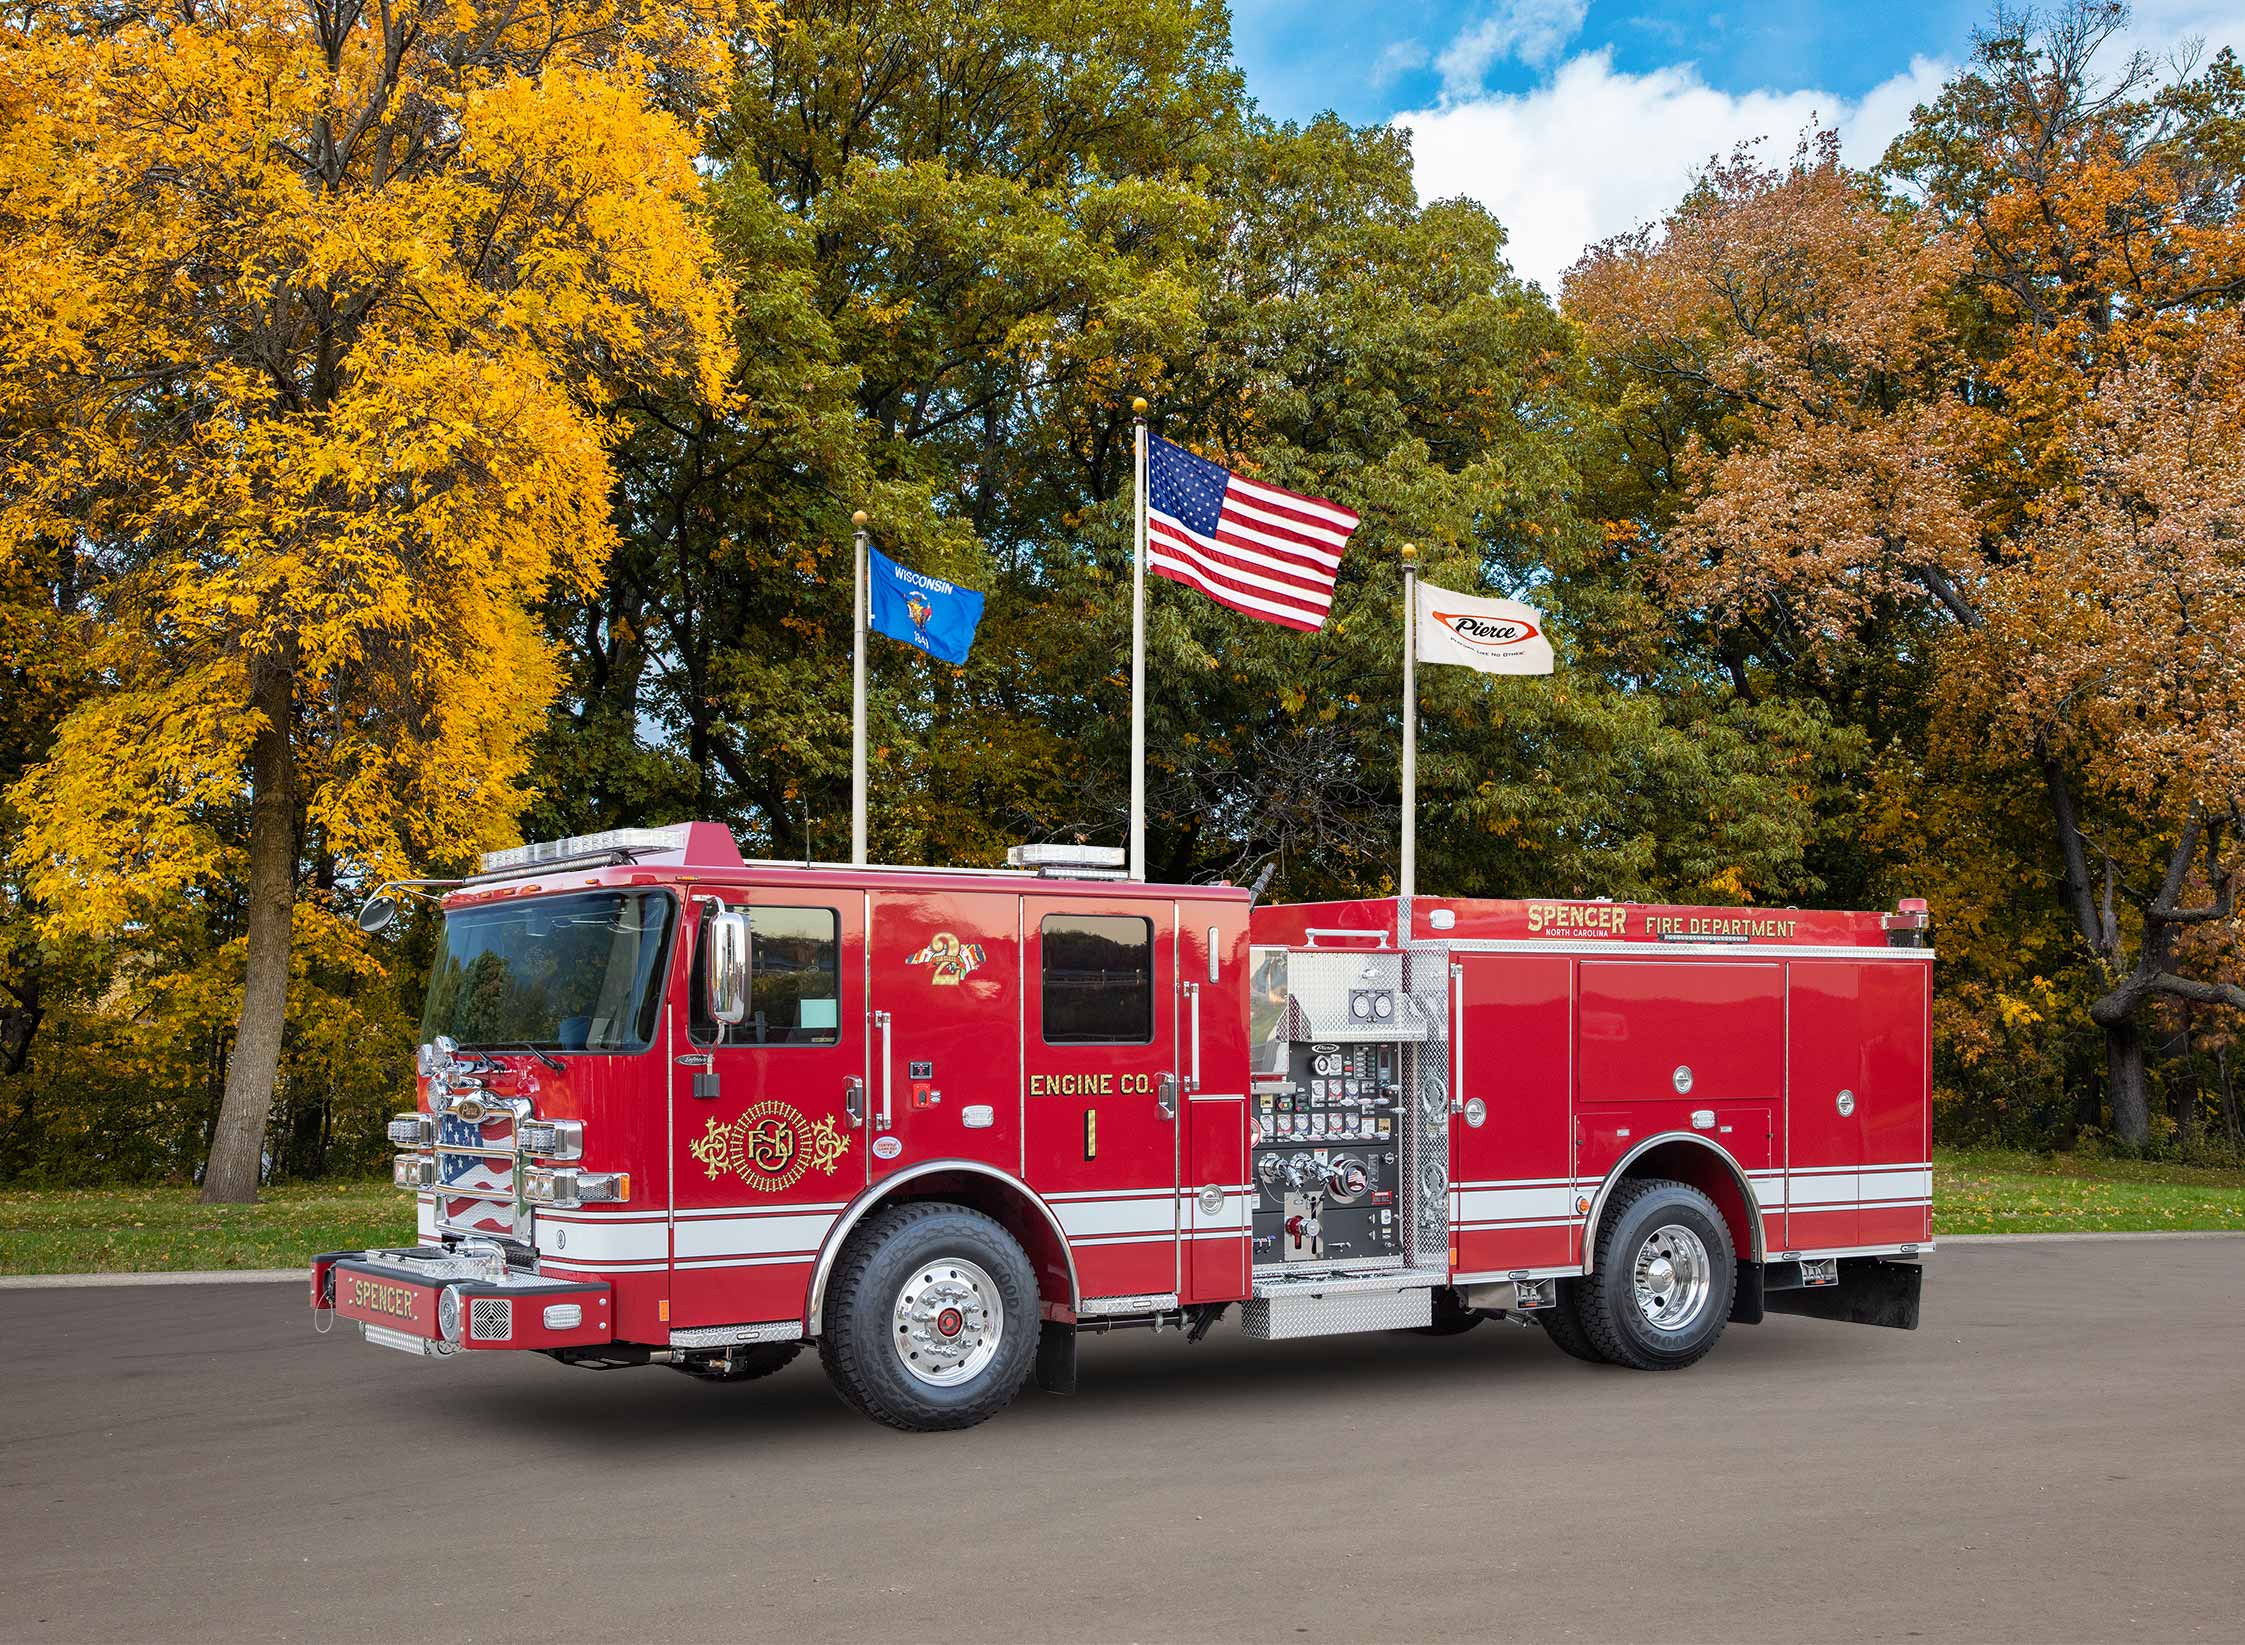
point(1562, 1323)
point(745, 1364)
point(1451, 1318)
point(1639, 1221)
point(976, 1270)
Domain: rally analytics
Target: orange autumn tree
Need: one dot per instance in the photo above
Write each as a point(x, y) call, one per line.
point(1884, 419)
point(311, 320)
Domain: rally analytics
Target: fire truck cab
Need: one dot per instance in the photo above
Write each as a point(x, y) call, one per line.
point(683, 1109)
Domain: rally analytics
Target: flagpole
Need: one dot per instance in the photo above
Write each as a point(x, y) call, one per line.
point(1138, 650)
point(858, 593)
point(1409, 874)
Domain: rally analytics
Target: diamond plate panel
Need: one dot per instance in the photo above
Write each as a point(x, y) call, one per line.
point(1426, 978)
point(1320, 981)
point(728, 1336)
point(1304, 1314)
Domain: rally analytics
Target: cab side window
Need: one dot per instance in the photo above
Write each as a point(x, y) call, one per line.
point(795, 982)
point(1098, 979)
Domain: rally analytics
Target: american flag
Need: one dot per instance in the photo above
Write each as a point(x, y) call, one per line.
point(1272, 554)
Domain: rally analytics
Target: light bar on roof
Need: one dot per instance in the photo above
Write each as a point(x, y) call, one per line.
point(1064, 856)
point(577, 847)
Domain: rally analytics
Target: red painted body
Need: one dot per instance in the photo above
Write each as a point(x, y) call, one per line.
point(749, 1163)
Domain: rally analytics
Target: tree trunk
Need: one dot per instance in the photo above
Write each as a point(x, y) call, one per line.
point(2124, 1080)
point(237, 1147)
point(2229, 1097)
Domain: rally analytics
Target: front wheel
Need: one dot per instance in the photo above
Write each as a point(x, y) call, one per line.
point(931, 1319)
point(1661, 1291)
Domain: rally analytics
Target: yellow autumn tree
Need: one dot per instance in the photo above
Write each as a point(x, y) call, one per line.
point(312, 317)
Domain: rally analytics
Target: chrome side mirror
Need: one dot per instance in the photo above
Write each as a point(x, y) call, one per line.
point(378, 912)
point(727, 945)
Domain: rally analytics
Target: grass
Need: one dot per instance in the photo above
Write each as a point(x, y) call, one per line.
point(1994, 1192)
point(142, 1230)
point(148, 1230)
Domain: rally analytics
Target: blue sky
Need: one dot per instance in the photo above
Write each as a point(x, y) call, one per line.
point(1576, 119)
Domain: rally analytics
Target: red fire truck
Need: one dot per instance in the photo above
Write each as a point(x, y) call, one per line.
point(681, 1109)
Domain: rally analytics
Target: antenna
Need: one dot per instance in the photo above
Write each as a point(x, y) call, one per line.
point(1262, 881)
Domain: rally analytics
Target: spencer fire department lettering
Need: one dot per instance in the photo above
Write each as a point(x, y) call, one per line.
point(1607, 919)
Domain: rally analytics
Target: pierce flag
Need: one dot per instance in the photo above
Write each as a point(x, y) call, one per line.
point(1494, 636)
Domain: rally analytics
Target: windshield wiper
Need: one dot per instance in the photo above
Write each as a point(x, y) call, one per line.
point(555, 1063)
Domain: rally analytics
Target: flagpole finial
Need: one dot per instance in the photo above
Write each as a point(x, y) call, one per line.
point(1410, 551)
point(859, 518)
point(1138, 407)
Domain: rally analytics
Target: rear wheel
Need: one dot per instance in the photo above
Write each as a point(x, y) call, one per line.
point(931, 1318)
point(1562, 1323)
point(1661, 1291)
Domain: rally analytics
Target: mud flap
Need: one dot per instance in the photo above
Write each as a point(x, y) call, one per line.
point(1056, 1358)
point(1871, 1291)
point(1746, 1300)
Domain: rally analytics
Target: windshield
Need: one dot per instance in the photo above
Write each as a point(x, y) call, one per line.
point(573, 973)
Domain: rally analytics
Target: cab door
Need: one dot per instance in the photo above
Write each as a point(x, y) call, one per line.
point(767, 1114)
point(945, 1029)
point(1102, 1086)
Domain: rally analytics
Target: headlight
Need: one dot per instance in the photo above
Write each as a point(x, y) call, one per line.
point(553, 1139)
point(570, 1187)
point(413, 1131)
point(413, 1171)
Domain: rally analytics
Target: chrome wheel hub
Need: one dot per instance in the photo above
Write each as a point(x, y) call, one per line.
point(949, 1321)
point(1673, 1277)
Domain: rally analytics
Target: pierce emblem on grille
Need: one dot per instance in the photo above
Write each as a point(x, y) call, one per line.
point(770, 1147)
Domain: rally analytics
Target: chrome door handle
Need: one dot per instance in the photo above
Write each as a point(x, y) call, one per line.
point(853, 1100)
point(1192, 1001)
point(1165, 1096)
point(888, 1071)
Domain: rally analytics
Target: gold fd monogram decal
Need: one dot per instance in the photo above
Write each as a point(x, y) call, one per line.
point(770, 1147)
point(951, 958)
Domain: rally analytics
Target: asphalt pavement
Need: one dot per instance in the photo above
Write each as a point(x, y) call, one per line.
point(2058, 1454)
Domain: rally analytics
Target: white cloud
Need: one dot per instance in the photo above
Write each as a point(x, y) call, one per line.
point(1397, 58)
point(1593, 152)
point(1533, 31)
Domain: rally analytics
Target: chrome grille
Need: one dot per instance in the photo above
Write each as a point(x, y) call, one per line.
point(490, 1319)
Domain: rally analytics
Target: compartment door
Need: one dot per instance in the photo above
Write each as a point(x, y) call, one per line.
point(1823, 1121)
point(945, 1030)
point(1100, 1055)
point(1511, 1141)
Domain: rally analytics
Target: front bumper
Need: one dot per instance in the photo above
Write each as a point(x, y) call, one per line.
point(400, 1299)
